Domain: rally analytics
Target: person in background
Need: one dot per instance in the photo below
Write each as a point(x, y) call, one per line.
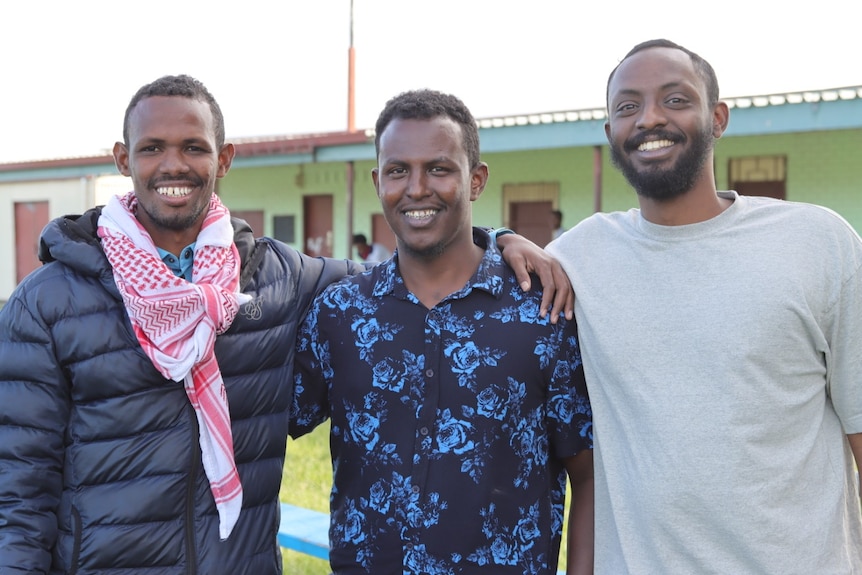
point(556, 224)
point(721, 337)
point(146, 370)
point(456, 412)
point(371, 253)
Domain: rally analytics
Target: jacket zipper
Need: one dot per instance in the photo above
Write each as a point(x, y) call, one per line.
point(191, 554)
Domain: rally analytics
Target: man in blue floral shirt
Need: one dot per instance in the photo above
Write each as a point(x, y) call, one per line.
point(457, 410)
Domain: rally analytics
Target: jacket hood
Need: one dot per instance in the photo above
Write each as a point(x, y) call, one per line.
point(72, 241)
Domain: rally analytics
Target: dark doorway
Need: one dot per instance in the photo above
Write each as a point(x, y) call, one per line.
point(317, 225)
point(532, 220)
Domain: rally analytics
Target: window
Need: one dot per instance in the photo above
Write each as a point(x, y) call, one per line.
point(759, 176)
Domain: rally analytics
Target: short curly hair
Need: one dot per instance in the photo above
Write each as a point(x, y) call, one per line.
point(184, 86)
point(428, 104)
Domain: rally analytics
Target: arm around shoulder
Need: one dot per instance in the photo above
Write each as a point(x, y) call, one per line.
point(312, 274)
point(525, 257)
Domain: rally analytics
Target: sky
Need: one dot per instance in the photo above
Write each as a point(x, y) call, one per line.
point(280, 67)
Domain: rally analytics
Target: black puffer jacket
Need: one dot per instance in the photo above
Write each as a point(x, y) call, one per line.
point(100, 469)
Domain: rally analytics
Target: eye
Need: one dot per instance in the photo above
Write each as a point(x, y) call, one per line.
point(149, 149)
point(625, 108)
point(439, 171)
point(396, 172)
point(677, 100)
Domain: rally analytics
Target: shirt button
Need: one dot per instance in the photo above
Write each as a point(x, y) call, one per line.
point(187, 253)
point(171, 259)
point(415, 489)
point(423, 431)
point(429, 373)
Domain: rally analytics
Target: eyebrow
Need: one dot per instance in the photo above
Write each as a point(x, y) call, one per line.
point(400, 161)
point(663, 87)
point(156, 140)
point(634, 92)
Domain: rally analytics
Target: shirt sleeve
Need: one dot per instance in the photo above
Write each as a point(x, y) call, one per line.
point(312, 373)
point(569, 411)
point(844, 368)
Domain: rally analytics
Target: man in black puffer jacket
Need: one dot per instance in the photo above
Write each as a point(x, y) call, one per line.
point(100, 453)
point(120, 356)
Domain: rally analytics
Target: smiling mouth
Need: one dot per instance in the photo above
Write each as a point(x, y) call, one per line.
point(174, 191)
point(419, 214)
point(654, 145)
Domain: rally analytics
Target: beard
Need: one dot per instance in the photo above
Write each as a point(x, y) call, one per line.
point(668, 183)
point(176, 222)
point(429, 253)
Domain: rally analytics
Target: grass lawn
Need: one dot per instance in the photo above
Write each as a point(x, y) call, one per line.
point(306, 482)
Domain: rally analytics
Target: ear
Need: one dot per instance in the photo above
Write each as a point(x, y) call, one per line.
point(478, 179)
point(225, 157)
point(720, 119)
point(121, 158)
point(608, 131)
point(375, 177)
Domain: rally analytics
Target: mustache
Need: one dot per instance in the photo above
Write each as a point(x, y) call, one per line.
point(635, 141)
point(190, 181)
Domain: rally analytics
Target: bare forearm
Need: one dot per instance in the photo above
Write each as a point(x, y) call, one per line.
point(579, 558)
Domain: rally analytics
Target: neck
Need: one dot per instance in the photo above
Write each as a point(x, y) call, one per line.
point(433, 278)
point(699, 204)
point(170, 240)
point(173, 242)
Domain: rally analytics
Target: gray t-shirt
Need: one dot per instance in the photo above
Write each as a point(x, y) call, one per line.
point(724, 365)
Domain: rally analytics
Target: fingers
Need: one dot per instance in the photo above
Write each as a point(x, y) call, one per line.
point(558, 294)
point(519, 265)
point(549, 291)
point(564, 299)
point(524, 257)
point(523, 277)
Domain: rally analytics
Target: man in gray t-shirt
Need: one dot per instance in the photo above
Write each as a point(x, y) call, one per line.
point(721, 337)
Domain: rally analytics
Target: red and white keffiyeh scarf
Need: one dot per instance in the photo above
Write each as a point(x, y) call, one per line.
point(176, 322)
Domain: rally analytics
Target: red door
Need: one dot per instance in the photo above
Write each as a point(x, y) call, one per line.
point(532, 220)
point(30, 218)
point(317, 224)
point(253, 218)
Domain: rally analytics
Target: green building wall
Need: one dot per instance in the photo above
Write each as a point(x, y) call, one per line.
point(279, 191)
point(823, 168)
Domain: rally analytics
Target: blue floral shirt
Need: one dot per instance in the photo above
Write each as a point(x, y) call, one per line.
point(448, 425)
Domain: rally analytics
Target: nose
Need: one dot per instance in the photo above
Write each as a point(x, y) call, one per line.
point(651, 116)
point(417, 184)
point(173, 161)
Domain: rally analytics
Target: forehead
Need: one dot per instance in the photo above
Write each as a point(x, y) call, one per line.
point(440, 136)
point(164, 116)
point(654, 69)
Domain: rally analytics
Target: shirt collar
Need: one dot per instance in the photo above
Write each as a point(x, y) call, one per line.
point(488, 276)
point(180, 266)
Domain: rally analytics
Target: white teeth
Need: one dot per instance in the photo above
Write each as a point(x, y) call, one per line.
point(654, 145)
point(174, 192)
point(419, 214)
